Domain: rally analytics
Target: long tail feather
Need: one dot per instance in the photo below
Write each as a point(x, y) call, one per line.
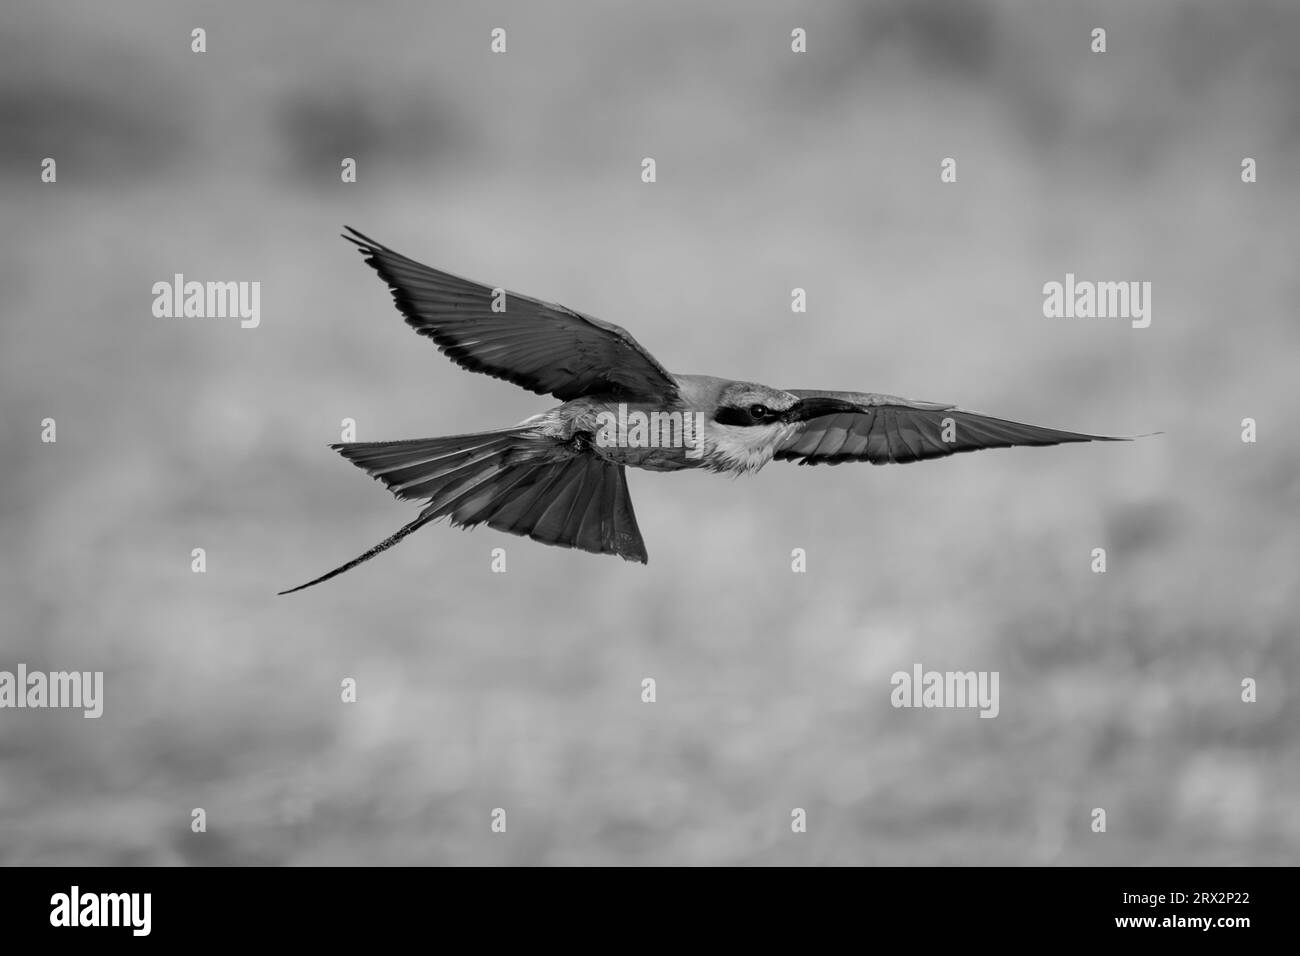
point(380, 548)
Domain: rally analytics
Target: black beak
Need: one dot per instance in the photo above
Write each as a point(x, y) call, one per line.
point(807, 408)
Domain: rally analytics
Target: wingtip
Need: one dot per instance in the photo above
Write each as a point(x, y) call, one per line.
point(359, 239)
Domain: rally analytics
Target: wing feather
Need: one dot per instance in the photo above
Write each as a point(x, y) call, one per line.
point(885, 429)
point(543, 347)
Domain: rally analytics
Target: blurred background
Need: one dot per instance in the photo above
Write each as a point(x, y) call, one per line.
point(522, 690)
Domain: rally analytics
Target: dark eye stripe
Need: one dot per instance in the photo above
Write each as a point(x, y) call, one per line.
point(726, 415)
point(749, 415)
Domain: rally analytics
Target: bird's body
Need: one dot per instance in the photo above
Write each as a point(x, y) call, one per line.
point(721, 447)
point(559, 477)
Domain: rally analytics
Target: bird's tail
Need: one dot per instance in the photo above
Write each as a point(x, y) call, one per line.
point(511, 480)
point(381, 547)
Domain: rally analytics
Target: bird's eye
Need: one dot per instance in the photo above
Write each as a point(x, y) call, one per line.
point(759, 411)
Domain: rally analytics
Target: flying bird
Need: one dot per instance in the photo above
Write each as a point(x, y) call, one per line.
point(561, 477)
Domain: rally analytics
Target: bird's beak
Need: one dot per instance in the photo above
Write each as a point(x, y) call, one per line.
point(807, 408)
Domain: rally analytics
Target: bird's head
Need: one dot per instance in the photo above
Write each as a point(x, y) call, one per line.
point(749, 422)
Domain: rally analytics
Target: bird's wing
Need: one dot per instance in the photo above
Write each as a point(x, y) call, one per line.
point(542, 347)
point(883, 429)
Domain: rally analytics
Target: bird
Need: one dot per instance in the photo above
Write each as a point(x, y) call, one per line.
point(560, 477)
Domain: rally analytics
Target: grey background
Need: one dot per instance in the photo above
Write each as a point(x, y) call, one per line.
point(481, 690)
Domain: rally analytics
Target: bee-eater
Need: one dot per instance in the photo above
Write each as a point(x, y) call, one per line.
point(560, 477)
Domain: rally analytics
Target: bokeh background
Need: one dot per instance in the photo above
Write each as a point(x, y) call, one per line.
point(522, 690)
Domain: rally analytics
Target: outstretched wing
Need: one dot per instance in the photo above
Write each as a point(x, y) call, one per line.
point(884, 428)
point(542, 347)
